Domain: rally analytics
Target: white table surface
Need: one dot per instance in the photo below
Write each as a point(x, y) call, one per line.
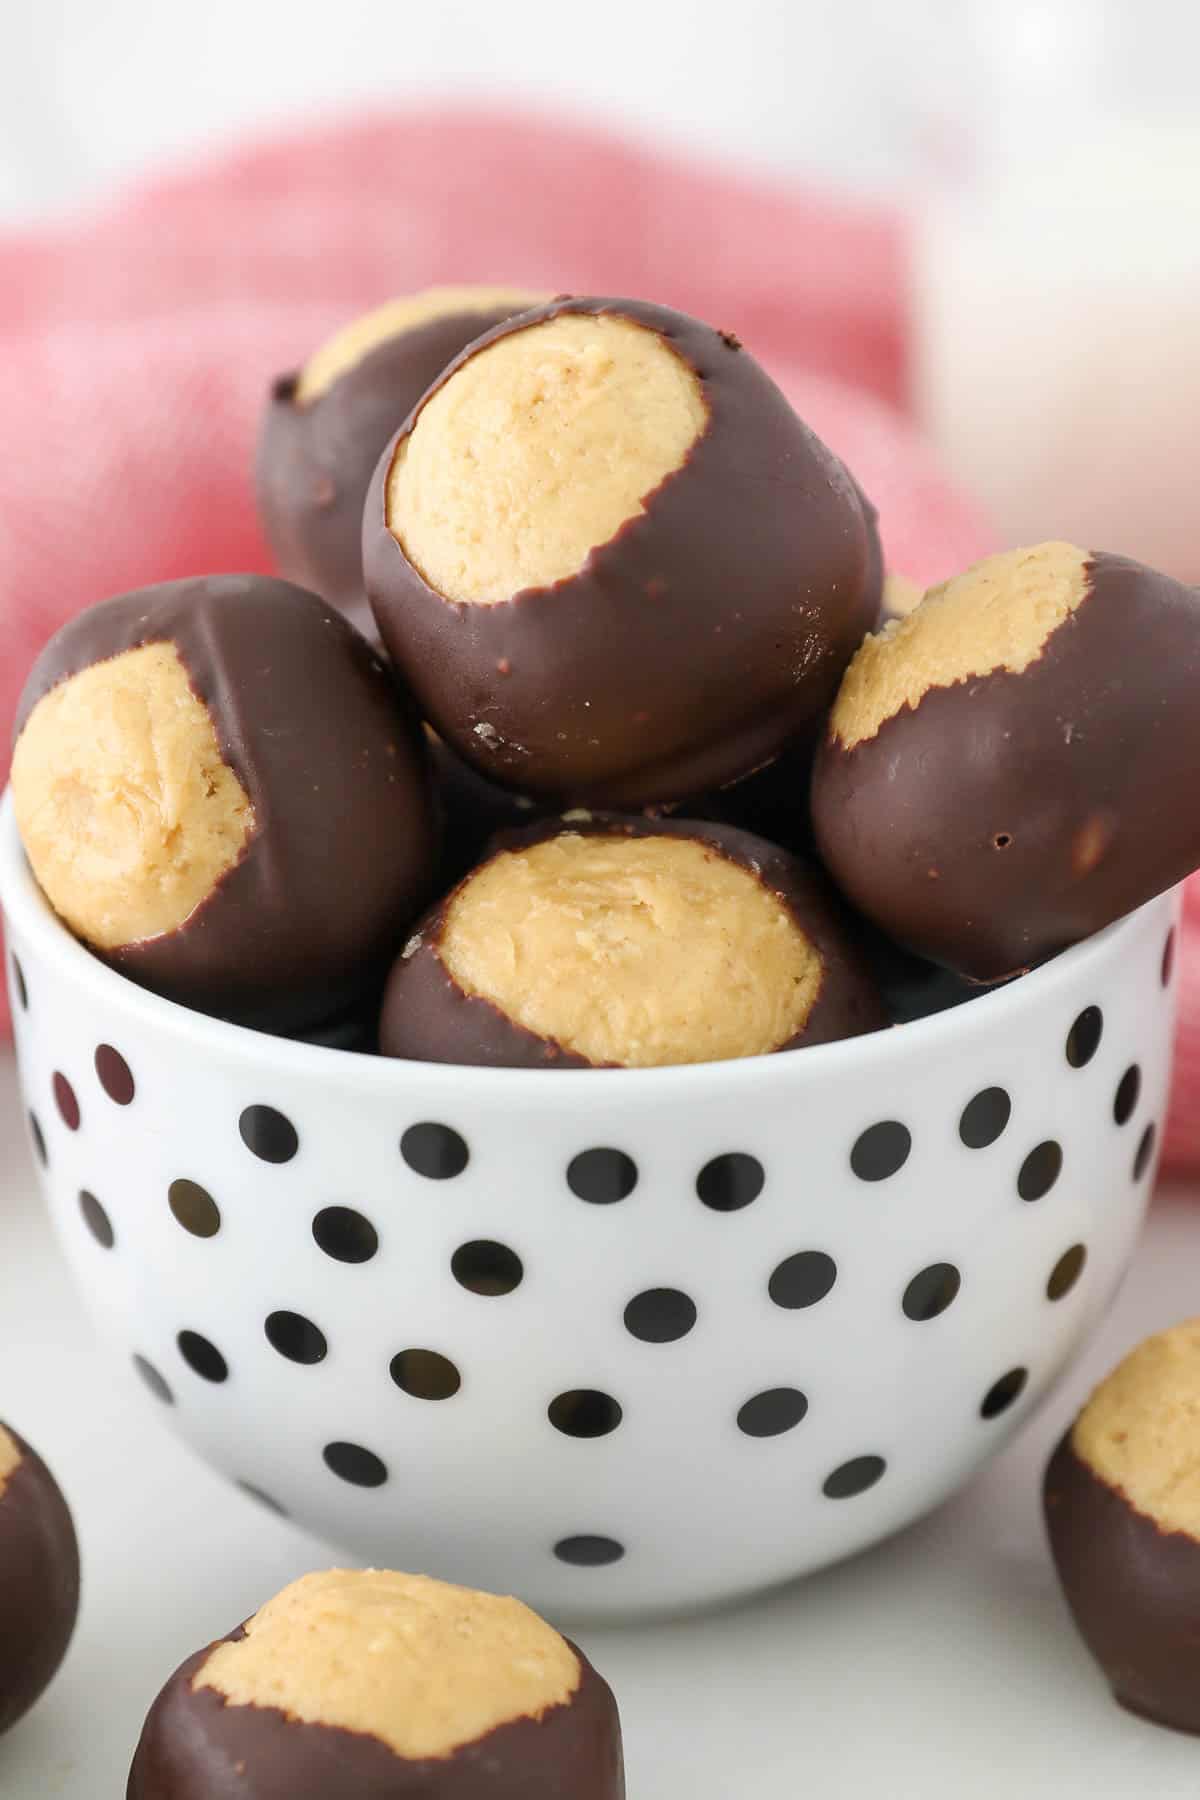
point(941, 1664)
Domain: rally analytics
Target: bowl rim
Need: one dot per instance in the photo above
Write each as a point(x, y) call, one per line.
point(23, 902)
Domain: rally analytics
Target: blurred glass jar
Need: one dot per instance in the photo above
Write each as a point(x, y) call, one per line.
point(1056, 266)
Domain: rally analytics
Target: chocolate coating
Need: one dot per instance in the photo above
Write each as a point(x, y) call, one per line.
point(1012, 815)
point(473, 809)
point(1133, 1590)
point(746, 577)
point(428, 1017)
point(315, 462)
point(39, 1583)
point(195, 1746)
point(310, 720)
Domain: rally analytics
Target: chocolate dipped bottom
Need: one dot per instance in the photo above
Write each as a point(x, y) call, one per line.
point(744, 569)
point(1004, 769)
point(222, 792)
point(316, 455)
point(39, 1577)
point(594, 942)
point(200, 1744)
point(474, 810)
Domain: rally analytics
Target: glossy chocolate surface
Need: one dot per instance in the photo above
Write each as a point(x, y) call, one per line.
point(1133, 1591)
point(315, 461)
point(1010, 816)
point(710, 630)
point(39, 1583)
point(311, 722)
point(428, 1017)
point(473, 809)
point(197, 1747)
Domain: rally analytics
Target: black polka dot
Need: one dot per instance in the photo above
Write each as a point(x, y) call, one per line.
point(115, 1075)
point(1145, 1152)
point(1083, 1039)
point(1040, 1170)
point(352, 1463)
point(931, 1291)
point(772, 1412)
point(18, 975)
point(1066, 1272)
point(256, 1493)
point(1128, 1092)
point(66, 1101)
point(435, 1151)
point(202, 1356)
point(153, 1380)
point(194, 1208)
point(660, 1315)
point(602, 1176)
point(97, 1220)
point(589, 1551)
point(268, 1134)
point(1168, 958)
point(984, 1118)
point(1002, 1393)
point(345, 1235)
point(802, 1280)
point(584, 1413)
point(729, 1182)
point(39, 1140)
point(486, 1267)
point(853, 1477)
point(425, 1375)
point(881, 1150)
point(296, 1337)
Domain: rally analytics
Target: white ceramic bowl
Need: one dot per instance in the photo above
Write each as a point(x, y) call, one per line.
point(661, 1400)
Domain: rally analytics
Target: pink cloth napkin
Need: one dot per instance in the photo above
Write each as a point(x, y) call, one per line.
point(136, 345)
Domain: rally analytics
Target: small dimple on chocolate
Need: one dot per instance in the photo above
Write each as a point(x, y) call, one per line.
point(345, 1234)
point(802, 1280)
point(881, 1150)
point(588, 1550)
point(1066, 1272)
point(66, 1101)
point(202, 1356)
point(355, 1464)
point(115, 1075)
point(1040, 1170)
point(153, 1380)
point(486, 1267)
point(194, 1208)
point(853, 1477)
point(772, 1412)
point(584, 1413)
point(660, 1315)
point(1127, 1095)
point(602, 1176)
point(268, 1134)
point(1145, 1152)
point(296, 1337)
point(39, 1140)
point(1083, 1039)
point(1001, 1395)
point(1168, 958)
point(727, 1183)
point(20, 985)
point(96, 1220)
point(256, 1493)
point(984, 1118)
point(931, 1291)
point(437, 1152)
point(425, 1374)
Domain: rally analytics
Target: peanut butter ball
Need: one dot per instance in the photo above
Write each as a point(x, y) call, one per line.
point(601, 943)
point(369, 1685)
point(1002, 768)
point(613, 564)
point(220, 790)
point(39, 1577)
point(327, 424)
point(1122, 1499)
